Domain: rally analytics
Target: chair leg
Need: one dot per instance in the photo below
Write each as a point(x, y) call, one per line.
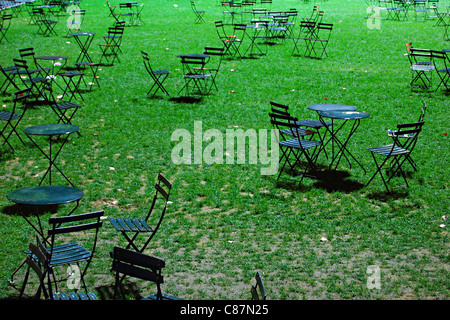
point(379, 168)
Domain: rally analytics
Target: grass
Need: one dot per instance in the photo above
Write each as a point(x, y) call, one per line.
point(227, 221)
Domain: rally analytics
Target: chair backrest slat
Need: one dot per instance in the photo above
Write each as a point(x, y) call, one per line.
point(138, 265)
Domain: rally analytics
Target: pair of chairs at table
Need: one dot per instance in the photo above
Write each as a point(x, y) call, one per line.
point(292, 134)
point(48, 254)
point(199, 78)
point(130, 261)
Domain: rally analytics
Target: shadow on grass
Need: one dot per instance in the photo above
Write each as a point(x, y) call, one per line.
point(28, 210)
point(384, 196)
point(185, 99)
point(130, 291)
point(334, 180)
point(330, 180)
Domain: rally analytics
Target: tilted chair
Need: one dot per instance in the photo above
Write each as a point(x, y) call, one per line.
point(198, 13)
point(142, 227)
point(116, 15)
point(158, 76)
point(140, 266)
point(397, 152)
point(10, 72)
point(12, 118)
point(5, 23)
point(258, 290)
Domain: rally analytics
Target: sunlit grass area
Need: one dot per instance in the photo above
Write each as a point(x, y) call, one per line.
point(226, 221)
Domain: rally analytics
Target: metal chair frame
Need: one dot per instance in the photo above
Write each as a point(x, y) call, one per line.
point(158, 76)
point(140, 226)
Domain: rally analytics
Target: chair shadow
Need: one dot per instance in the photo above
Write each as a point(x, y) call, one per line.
point(131, 291)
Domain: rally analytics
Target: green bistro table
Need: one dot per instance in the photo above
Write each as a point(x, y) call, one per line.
point(43, 196)
point(51, 131)
point(345, 116)
point(317, 124)
point(84, 45)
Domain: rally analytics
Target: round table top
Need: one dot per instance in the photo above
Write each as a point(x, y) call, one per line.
point(45, 195)
point(193, 55)
point(51, 129)
point(52, 58)
point(77, 34)
point(344, 115)
point(331, 107)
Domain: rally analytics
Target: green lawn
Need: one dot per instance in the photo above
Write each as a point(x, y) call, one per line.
point(227, 221)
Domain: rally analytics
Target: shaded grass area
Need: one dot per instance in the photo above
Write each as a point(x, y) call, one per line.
point(227, 221)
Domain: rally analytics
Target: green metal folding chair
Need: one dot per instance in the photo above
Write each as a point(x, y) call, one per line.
point(140, 231)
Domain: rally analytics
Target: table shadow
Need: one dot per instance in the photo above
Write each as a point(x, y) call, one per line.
point(28, 210)
point(185, 99)
point(329, 180)
point(336, 180)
